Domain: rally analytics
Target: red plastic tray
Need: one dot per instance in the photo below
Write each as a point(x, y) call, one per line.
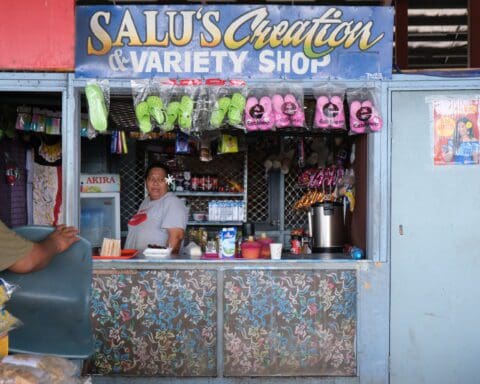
point(126, 254)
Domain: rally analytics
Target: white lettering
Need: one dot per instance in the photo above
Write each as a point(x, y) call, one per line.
point(238, 60)
point(267, 62)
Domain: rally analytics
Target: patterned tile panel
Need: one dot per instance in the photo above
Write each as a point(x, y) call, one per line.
point(290, 323)
point(155, 323)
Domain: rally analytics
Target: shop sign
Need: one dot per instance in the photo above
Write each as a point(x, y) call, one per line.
point(290, 42)
point(93, 183)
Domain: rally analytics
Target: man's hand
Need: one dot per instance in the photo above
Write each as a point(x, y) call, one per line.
point(61, 238)
point(44, 251)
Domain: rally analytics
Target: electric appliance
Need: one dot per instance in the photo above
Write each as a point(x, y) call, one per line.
point(326, 225)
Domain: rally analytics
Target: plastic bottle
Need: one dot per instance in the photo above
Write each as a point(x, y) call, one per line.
point(265, 241)
point(354, 252)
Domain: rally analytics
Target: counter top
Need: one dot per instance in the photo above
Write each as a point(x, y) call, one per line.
point(319, 260)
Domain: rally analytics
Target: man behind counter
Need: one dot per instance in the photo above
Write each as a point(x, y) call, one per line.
point(20, 255)
point(161, 218)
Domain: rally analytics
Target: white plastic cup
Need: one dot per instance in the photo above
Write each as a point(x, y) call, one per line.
point(276, 251)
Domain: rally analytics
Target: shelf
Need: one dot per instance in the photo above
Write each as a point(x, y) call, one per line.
point(209, 194)
point(215, 223)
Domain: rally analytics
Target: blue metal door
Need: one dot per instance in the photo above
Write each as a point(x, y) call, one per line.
point(435, 256)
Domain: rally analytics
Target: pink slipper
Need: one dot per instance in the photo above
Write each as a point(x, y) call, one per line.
point(356, 124)
point(267, 121)
point(321, 120)
point(375, 122)
point(298, 117)
point(281, 119)
point(338, 121)
point(251, 120)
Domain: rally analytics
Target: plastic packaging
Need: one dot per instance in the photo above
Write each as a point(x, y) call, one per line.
point(364, 108)
point(228, 242)
point(329, 107)
point(259, 115)
point(227, 144)
point(187, 94)
point(6, 290)
point(8, 322)
point(251, 249)
point(227, 100)
point(98, 100)
point(288, 107)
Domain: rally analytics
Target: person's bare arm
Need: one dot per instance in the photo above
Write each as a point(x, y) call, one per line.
point(43, 252)
point(175, 237)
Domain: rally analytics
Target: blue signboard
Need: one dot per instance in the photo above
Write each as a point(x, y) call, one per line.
point(246, 41)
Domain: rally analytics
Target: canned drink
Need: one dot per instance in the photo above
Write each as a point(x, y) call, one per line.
point(195, 183)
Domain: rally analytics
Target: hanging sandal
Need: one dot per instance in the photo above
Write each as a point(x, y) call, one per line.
point(97, 109)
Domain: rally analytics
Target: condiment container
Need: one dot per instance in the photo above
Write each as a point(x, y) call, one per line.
point(265, 241)
point(251, 248)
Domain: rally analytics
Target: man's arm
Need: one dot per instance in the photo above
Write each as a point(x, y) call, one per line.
point(42, 252)
point(175, 237)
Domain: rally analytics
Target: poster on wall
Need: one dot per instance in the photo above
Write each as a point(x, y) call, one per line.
point(455, 125)
point(261, 42)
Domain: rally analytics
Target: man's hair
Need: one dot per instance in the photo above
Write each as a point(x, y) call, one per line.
point(156, 165)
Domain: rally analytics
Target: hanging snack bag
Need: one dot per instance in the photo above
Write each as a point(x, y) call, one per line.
point(24, 118)
point(182, 144)
point(227, 144)
point(6, 290)
point(288, 106)
point(98, 100)
point(259, 114)
point(329, 107)
point(364, 108)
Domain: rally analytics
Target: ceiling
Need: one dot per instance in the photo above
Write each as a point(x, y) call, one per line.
point(437, 29)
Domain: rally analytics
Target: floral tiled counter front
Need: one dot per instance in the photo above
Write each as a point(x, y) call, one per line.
point(163, 322)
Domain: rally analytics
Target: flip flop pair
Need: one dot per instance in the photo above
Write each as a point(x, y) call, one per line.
point(329, 113)
point(152, 107)
point(363, 115)
point(231, 107)
point(180, 111)
point(97, 109)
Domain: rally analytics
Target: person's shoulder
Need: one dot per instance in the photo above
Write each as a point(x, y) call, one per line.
point(170, 198)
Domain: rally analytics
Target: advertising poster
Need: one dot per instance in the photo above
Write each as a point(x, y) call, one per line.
point(455, 127)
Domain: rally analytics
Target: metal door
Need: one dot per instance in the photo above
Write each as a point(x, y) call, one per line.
point(435, 256)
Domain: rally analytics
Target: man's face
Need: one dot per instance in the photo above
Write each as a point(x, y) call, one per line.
point(156, 184)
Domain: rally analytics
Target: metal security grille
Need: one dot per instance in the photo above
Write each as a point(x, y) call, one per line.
point(293, 219)
point(132, 166)
point(132, 186)
point(257, 203)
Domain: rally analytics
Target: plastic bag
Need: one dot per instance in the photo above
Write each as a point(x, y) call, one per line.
point(329, 109)
point(288, 106)
point(259, 114)
point(98, 100)
point(8, 322)
point(181, 105)
point(6, 290)
point(24, 118)
point(13, 374)
point(57, 368)
point(364, 108)
point(227, 144)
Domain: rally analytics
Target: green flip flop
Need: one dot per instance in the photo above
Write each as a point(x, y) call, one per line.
point(217, 116)
point(238, 100)
point(155, 107)
point(172, 114)
point(185, 113)
point(224, 103)
point(143, 117)
point(97, 110)
point(235, 111)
